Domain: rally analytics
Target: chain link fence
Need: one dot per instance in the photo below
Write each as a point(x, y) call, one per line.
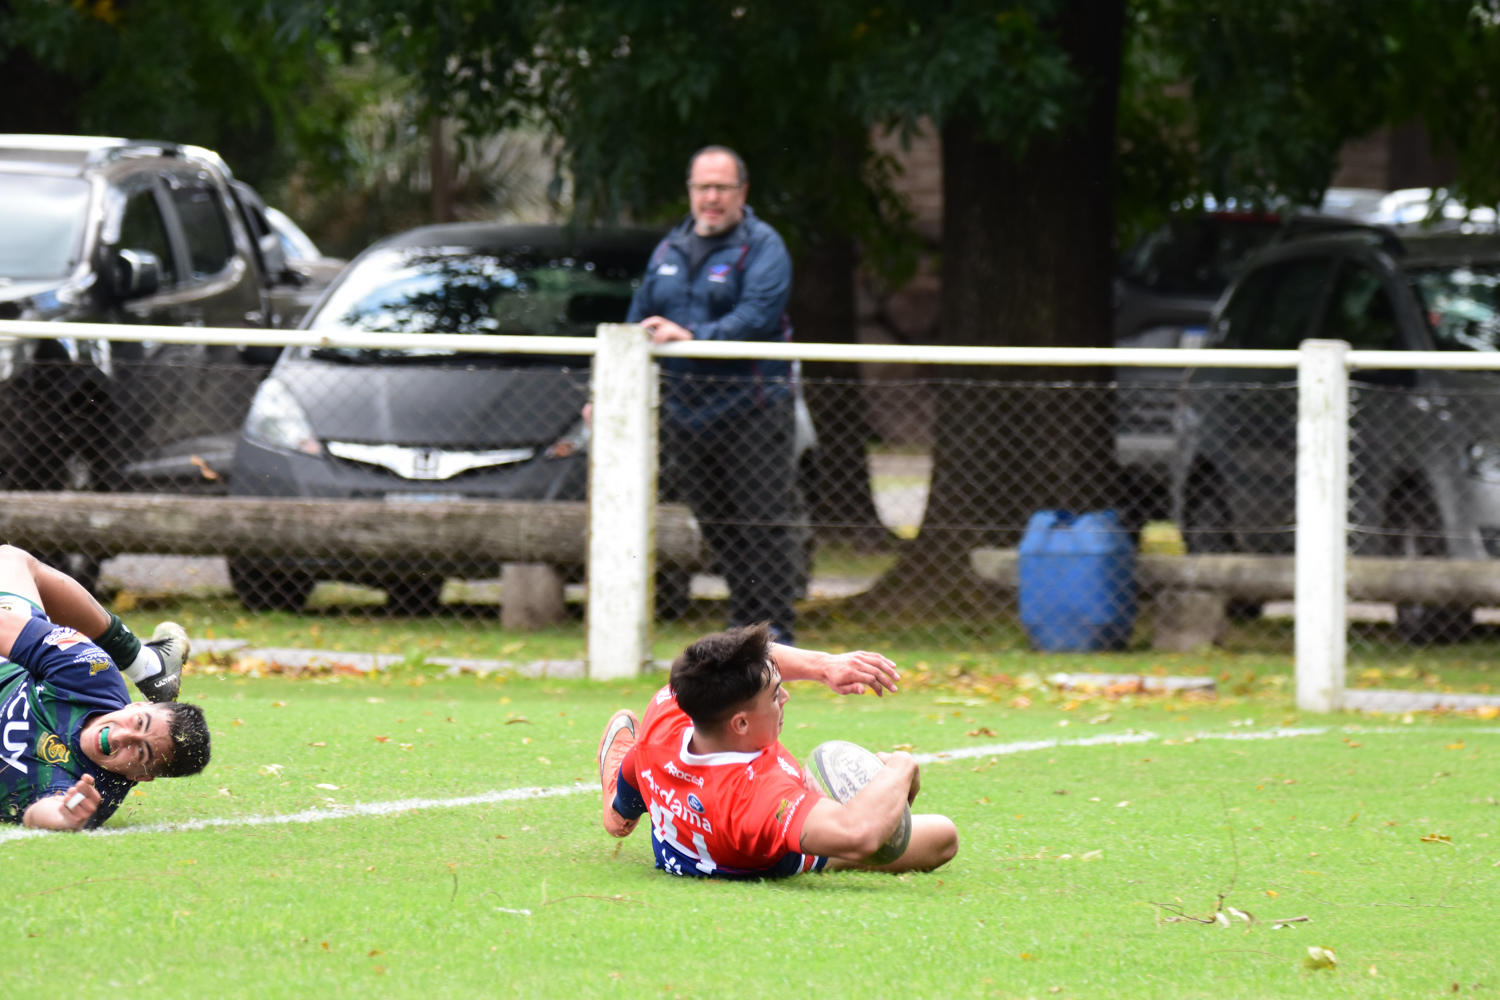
point(900, 510)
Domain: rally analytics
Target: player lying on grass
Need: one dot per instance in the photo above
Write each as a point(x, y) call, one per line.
point(72, 743)
point(726, 798)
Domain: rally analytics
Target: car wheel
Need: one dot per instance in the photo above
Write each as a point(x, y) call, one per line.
point(415, 595)
point(1205, 517)
point(1414, 530)
point(263, 589)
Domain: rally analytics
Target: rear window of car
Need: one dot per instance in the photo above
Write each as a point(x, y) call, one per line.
point(467, 291)
point(43, 225)
point(1197, 256)
point(1462, 306)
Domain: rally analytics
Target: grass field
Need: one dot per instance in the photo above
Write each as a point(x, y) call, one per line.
point(1383, 833)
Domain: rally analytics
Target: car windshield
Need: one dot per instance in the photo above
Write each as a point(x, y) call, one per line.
point(1197, 256)
point(44, 219)
point(1462, 306)
point(464, 290)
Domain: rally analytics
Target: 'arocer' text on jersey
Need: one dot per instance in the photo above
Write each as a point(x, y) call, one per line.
point(53, 683)
point(725, 815)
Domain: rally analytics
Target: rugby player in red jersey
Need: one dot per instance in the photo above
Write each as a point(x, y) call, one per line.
point(725, 798)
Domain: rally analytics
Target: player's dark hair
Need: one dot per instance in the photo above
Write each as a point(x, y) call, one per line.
point(717, 674)
point(190, 740)
point(742, 171)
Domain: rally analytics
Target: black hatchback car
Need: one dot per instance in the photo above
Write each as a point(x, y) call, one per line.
point(427, 423)
point(1424, 445)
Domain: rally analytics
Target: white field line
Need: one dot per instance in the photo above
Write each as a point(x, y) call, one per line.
point(535, 792)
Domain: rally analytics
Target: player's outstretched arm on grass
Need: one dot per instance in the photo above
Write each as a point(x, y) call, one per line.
point(70, 810)
point(846, 673)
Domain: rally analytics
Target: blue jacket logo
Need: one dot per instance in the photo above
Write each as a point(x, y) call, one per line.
point(719, 273)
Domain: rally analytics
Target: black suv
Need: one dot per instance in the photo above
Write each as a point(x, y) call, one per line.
point(111, 231)
point(1424, 445)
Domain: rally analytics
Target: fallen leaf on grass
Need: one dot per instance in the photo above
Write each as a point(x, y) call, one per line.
point(1272, 893)
point(519, 718)
point(1488, 711)
point(375, 701)
point(324, 784)
point(1320, 958)
point(904, 746)
point(1437, 838)
point(270, 770)
point(1455, 746)
point(382, 739)
point(225, 791)
point(982, 731)
point(278, 704)
point(407, 746)
point(238, 722)
point(1122, 805)
point(373, 952)
point(544, 760)
point(1099, 719)
point(1091, 856)
point(317, 744)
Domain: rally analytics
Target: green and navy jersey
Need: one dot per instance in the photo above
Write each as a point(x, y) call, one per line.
point(54, 682)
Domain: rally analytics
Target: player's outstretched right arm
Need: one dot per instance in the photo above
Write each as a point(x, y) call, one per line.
point(855, 830)
point(69, 810)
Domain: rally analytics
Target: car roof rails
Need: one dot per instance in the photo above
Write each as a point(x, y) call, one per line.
point(1311, 226)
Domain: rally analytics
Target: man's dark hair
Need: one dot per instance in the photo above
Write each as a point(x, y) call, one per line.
point(190, 741)
point(739, 162)
point(717, 674)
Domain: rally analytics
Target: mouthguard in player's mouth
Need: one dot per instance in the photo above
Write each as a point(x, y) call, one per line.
point(104, 741)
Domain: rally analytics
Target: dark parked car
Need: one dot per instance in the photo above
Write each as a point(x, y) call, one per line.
point(1424, 445)
point(435, 424)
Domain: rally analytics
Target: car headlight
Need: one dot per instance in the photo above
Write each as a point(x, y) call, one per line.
point(1484, 461)
point(277, 419)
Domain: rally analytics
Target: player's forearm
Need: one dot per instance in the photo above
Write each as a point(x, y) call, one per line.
point(878, 807)
point(800, 664)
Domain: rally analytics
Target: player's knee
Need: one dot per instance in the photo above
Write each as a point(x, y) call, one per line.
point(947, 844)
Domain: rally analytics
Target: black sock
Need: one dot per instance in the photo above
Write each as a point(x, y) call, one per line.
point(119, 642)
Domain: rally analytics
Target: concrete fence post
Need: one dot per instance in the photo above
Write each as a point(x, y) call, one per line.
point(1322, 521)
point(622, 502)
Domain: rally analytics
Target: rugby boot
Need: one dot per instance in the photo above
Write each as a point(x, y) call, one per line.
point(170, 641)
point(618, 738)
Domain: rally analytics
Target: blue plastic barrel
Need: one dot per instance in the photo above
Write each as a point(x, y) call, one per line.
point(1077, 581)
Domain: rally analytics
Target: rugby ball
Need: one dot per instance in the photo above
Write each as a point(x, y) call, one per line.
point(841, 769)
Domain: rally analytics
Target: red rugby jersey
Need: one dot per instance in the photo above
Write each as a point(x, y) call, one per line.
point(722, 814)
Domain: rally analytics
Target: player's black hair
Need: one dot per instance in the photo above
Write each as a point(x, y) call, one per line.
point(190, 740)
point(717, 674)
point(739, 163)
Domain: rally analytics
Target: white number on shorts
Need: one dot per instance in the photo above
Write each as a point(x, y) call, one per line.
point(705, 862)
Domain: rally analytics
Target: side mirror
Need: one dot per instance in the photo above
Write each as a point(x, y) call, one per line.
point(136, 273)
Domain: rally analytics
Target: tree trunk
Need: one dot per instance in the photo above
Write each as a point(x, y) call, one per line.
point(822, 311)
point(1027, 260)
point(437, 152)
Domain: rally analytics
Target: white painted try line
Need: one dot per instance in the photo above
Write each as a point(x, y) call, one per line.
point(335, 812)
point(536, 792)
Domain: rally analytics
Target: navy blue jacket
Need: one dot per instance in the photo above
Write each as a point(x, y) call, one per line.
point(739, 292)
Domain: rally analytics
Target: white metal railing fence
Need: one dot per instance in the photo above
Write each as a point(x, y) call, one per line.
point(623, 460)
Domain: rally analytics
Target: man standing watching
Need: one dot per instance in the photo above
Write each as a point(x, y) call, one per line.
point(728, 426)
